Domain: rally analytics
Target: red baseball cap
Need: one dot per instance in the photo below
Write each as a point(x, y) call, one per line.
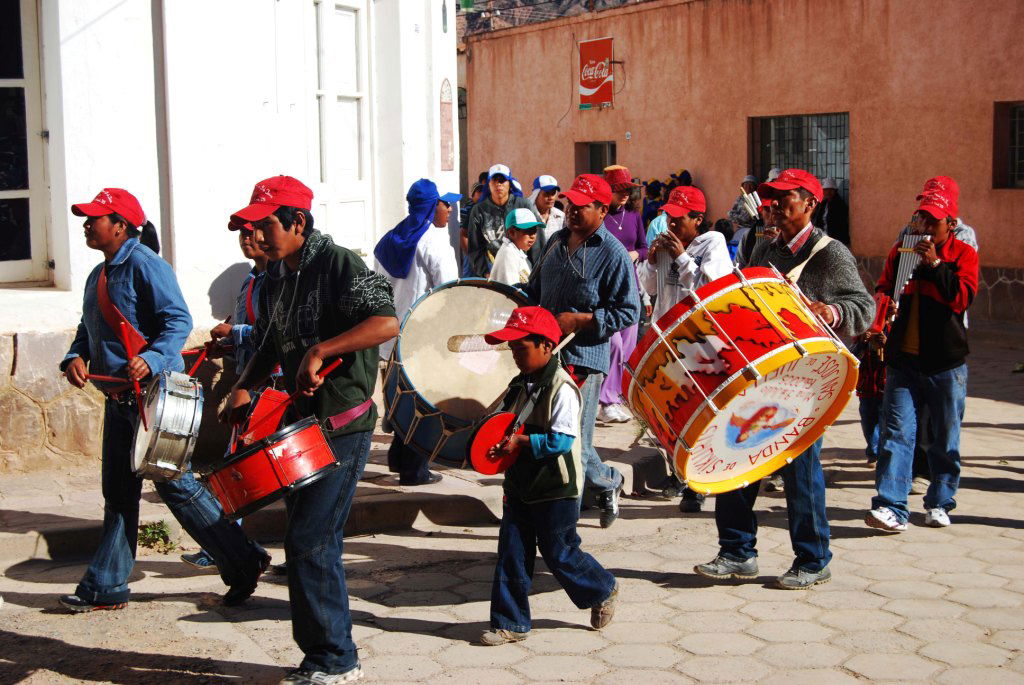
point(939, 204)
point(588, 188)
point(791, 179)
point(110, 200)
point(269, 195)
point(683, 200)
point(526, 320)
point(941, 184)
point(618, 177)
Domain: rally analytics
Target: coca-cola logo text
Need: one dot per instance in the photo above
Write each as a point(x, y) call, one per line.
point(595, 71)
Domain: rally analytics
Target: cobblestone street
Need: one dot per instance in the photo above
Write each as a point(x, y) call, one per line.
point(928, 605)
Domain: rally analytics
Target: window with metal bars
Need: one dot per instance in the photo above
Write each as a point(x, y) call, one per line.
point(1008, 145)
point(819, 143)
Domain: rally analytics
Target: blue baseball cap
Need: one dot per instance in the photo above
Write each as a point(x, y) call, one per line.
point(545, 183)
point(523, 219)
point(451, 198)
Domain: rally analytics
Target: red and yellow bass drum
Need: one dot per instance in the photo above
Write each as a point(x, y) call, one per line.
point(738, 379)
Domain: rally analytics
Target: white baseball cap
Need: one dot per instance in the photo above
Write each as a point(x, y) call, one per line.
point(499, 170)
point(545, 183)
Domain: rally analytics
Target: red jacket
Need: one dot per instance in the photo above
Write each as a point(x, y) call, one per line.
point(945, 294)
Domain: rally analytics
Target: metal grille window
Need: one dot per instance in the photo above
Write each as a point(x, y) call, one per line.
point(819, 143)
point(1016, 179)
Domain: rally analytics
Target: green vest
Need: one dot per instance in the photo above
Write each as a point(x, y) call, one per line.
point(534, 480)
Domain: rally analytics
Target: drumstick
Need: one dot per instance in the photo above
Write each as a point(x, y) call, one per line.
point(106, 379)
point(278, 411)
point(472, 343)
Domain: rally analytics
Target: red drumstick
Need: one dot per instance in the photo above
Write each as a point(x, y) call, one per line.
point(278, 411)
point(135, 383)
point(107, 379)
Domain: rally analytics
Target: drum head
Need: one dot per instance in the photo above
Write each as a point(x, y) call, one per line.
point(486, 435)
point(443, 352)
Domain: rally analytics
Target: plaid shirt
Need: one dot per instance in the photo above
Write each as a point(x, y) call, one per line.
point(597, 278)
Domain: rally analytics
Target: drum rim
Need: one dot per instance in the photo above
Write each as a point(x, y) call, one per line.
point(149, 469)
point(282, 491)
point(272, 439)
point(153, 420)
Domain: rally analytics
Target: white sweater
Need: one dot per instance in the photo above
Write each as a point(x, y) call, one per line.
point(706, 259)
point(511, 265)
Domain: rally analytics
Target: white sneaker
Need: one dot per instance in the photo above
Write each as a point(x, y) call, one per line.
point(619, 414)
point(936, 518)
point(602, 414)
point(883, 518)
point(919, 486)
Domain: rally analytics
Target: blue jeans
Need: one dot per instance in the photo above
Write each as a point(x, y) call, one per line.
point(412, 467)
point(106, 580)
point(550, 527)
point(870, 414)
point(599, 476)
point(907, 392)
point(321, 623)
point(804, 485)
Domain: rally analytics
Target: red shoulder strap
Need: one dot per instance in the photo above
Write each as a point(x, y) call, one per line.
point(133, 341)
point(250, 313)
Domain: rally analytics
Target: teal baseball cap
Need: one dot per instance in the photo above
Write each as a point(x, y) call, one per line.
point(523, 219)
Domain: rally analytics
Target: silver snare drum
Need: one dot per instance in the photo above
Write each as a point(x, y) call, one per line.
point(174, 410)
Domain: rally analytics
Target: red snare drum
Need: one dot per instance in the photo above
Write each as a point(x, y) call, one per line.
point(739, 380)
point(292, 458)
point(264, 402)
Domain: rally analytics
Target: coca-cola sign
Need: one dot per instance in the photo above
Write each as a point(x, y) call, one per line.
point(597, 82)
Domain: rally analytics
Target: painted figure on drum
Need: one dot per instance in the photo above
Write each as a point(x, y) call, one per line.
point(319, 303)
point(134, 324)
point(744, 432)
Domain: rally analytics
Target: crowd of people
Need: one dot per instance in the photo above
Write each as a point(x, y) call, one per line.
point(589, 266)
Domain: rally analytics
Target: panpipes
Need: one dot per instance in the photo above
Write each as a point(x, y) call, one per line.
point(908, 261)
point(751, 202)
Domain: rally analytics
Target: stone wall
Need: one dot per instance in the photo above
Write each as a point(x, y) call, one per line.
point(46, 423)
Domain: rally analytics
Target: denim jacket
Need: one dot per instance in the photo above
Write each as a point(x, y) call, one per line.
point(143, 286)
point(242, 331)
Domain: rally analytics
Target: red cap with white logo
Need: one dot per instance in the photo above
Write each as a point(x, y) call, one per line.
point(941, 184)
point(791, 179)
point(525, 321)
point(271, 194)
point(683, 200)
point(588, 188)
point(109, 201)
point(939, 204)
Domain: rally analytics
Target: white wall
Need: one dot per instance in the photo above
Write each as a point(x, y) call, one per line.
point(239, 107)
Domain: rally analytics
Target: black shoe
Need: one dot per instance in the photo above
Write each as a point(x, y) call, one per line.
point(609, 503)
point(237, 594)
point(80, 606)
point(691, 503)
point(279, 569)
point(431, 479)
point(670, 487)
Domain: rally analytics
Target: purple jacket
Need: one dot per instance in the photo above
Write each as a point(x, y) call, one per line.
point(628, 228)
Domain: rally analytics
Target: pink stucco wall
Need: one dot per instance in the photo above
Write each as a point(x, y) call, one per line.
point(918, 77)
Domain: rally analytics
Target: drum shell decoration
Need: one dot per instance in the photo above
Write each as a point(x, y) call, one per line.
point(437, 421)
point(766, 378)
point(174, 411)
point(293, 457)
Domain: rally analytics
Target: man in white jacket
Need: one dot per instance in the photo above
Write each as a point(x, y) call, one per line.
point(682, 258)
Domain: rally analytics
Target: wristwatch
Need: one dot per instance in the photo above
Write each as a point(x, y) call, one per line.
point(935, 263)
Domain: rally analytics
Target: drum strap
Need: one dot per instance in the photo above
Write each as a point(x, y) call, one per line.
point(348, 416)
point(794, 273)
point(133, 341)
point(250, 312)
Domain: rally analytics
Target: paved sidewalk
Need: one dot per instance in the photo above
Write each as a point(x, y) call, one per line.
point(924, 606)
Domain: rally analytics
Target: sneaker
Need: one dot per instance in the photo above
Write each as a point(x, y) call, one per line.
point(721, 568)
point(609, 503)
point(493, 638)
point(619, 414)
point(432, 478)
point(691, 503)
point(602, 414)
point(80, 606)
point(774, 483)
point(936, 518)
point(279, 569)
point(237, 594)
point(602, 614)
point(884, 518)
point(799, 579)
point(200, 560)
point(303, 676)
point(671, 487)
point(919, 486)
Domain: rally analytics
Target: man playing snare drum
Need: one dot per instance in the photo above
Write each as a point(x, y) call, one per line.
point(827, 274)
point(319, 302)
